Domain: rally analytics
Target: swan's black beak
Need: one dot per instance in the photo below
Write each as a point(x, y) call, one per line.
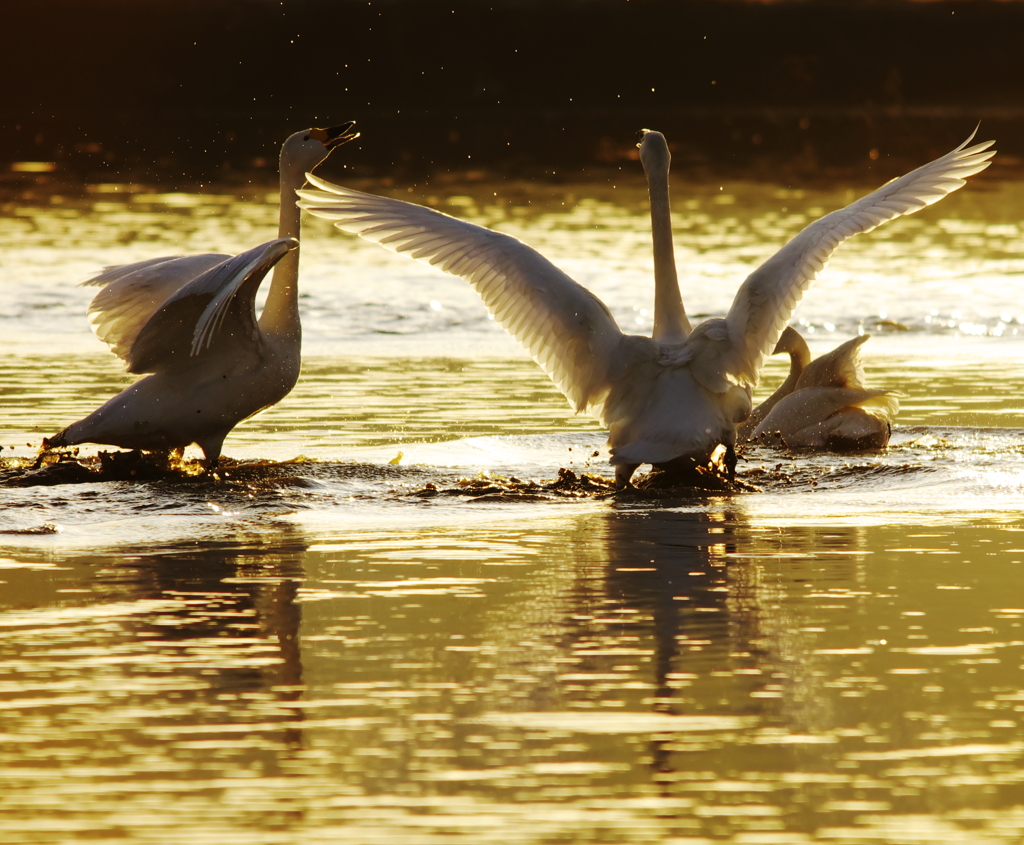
point(335, 136)
point(640, 136)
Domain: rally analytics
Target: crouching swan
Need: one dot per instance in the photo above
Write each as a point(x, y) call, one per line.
point(823, 404)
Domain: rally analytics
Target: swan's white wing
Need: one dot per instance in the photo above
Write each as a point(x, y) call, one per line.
point(841, 367)
point(568, 331)
point(132, 293)
point(218, 302)
point(768, 297)
point(816, 404)
point(885, 406)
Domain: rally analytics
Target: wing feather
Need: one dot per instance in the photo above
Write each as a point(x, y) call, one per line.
point(192, 319)
point(766, 300)
point(568, 331)
point(132, 293)
point(815, 404)
point(841, 367)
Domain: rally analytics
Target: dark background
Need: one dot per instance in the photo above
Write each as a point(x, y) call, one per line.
point(183, 91)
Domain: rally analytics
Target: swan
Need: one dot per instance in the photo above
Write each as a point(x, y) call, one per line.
point(190, 322)
point(661, 399)
point(823, 404)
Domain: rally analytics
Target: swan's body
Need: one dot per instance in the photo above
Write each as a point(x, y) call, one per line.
point(190, 321)
point(662, 398)
point(823, 404)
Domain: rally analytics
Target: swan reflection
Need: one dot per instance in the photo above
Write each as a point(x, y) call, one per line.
point(216, 627)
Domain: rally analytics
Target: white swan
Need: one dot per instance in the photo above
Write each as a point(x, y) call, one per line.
point(190, 321)
point(823, 404)
point(660, 400)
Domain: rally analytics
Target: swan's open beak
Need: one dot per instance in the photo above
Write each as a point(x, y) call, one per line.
point(335, 136)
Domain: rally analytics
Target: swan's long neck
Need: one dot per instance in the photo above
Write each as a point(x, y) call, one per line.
point(799, 358)
point(671, 324)
point(281, 311)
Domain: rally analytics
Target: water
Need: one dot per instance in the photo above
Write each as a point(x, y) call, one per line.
point(325, 649)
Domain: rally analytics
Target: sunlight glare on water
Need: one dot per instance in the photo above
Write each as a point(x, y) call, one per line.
point(363, 647)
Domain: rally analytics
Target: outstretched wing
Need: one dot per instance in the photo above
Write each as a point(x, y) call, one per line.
point(568, 331)
point(218, 303)
point(766, 300)
point(132, 293)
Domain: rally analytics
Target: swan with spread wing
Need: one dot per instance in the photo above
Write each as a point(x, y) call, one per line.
point(680, 394)
point(190, 322)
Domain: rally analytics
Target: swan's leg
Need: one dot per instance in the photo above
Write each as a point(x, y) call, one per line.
point(211, 447)
point(624, 472)
point(730, 462)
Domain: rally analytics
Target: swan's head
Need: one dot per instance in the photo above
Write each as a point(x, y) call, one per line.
point(654, 154)
point(793, 344)
point(306, 149)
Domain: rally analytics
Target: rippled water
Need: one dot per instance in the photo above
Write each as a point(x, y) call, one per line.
point(326, 650)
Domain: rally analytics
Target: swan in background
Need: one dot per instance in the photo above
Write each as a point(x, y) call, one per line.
point(661, 400)
point(793, 343)
point(839, 368)
point(823, 404)
point(191, 322)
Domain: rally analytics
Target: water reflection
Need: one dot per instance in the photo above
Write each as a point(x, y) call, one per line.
point(647, 671)
point(218, 592)
point(669, 566)
point(178, 666)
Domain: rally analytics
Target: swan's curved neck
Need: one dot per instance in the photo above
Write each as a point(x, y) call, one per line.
point(799, 358)
point(281, 311)
point(671, 324)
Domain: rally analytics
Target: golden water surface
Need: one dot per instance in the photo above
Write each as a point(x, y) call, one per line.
point(331, 656)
